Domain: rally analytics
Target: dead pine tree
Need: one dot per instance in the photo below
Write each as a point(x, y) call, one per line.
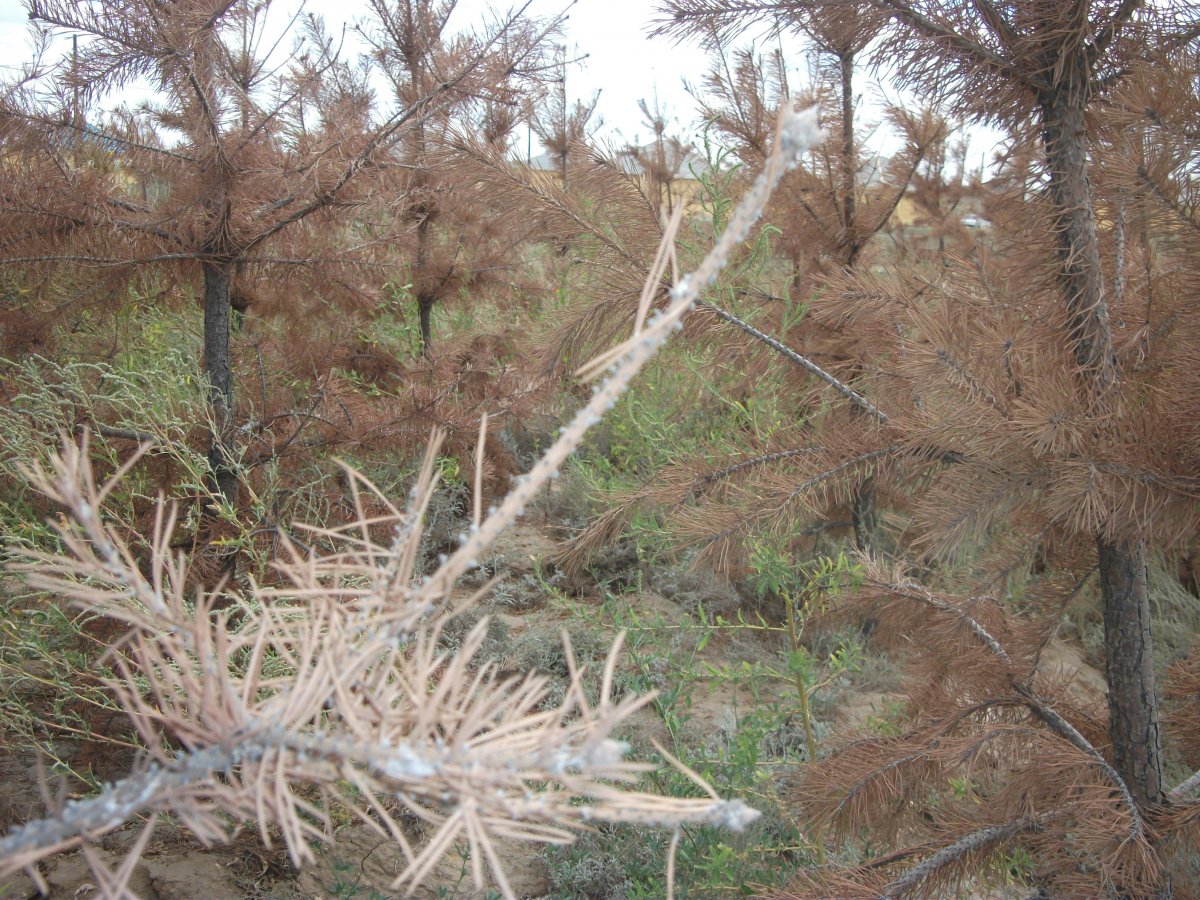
point(830, 214)
point(989, 362)
point(862, 197)
point(219, 174)
point(838, 38)
point(661, 161)
point(945, 195)
point(416, 48)
point(564, 127)
point(1053, 63)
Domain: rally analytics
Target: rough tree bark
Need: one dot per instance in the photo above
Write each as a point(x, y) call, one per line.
point(1129, 667)
point(849, 160)
point(218, 310)
point(1124, 586)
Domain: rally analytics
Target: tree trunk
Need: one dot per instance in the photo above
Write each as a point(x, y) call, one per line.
point(1129, 666)
point(425, 311)
point(849, 161)
point(563, 245)
point(1129, 648)
point(425, 295)
point(863, 514)
point(218, 279)
point(1065, 140)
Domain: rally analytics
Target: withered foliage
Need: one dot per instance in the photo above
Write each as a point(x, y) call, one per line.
point(271, 175)
point(327, 693)
point(1182, 709)
point(997, 759)
point(467, 379)
point(330, 692)
point(608, 226)
point(1023, 402)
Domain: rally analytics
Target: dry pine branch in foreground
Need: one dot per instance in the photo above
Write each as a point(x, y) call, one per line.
point(331, 692)
point(999, 759)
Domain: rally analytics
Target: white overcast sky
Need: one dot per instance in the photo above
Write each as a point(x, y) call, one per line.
point(622, 62)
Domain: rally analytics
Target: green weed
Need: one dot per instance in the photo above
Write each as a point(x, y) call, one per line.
point(761, 738)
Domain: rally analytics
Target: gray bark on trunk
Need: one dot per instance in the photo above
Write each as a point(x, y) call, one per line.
point(1065, 141)
point(1129, 667)
point(1129, 646)
point(218, 310)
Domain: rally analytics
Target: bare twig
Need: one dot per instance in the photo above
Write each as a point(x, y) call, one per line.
point(803, 362)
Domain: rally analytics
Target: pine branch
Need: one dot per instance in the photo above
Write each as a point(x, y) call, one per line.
point(893, 765)
point(140, 792)
point(404, 769)
point(124, 434)
point(100, 262)
point(710, 478)
point(1168, 200)
point(964, 47)
point(901, 190)
point(1066, 730)
point(841, 468)
point(417, 113)
point(1182, 38)
point(86, 130)
point(1185, 787)
point(1036, 705)
point(788, 353)
point(556, 198)
point(915, 591)
point(915, 878)
point(1105, 35)
point(994, 19)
